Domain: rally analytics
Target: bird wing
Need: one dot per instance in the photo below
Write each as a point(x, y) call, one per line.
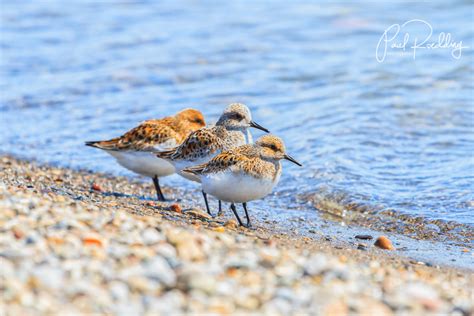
point(152, 135)
point(221, 162)
point(198, 144)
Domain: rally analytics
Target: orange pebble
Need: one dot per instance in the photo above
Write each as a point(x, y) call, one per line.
point(18, 233)
point(96, 187)
point(55, 240)
point(176, 208)
point(232, 272)
point(92, 241)
point(384, 243)
point(231, 224)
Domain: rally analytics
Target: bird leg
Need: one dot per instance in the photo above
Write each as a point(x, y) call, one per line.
point(204, 194)
point(232, 207)
point(220, 208)
point(159, 194)
point(247, 215)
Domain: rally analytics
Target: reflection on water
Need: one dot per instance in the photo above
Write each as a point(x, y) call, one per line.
point(393, 135)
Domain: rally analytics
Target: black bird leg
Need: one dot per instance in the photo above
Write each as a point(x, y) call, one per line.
point(159, 194)
point(232, 207)
point(204, 194)
point(220, 208)
point(247, 215)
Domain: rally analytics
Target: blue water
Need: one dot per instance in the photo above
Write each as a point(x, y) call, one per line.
point(393, 135)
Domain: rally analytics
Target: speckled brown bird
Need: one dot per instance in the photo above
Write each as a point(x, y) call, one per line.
point(135, 149)
point(230, 131)
point(245, 173)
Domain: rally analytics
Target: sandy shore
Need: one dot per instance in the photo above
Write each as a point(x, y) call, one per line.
point(77, 242)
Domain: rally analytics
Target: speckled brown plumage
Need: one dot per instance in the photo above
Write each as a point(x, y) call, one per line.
point(150, 135)
point(229, 132)
point(204, 142)
point(260, 160)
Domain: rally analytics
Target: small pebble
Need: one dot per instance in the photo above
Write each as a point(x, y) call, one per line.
point(96, 187)
point(18, 233)
point(362, 246)
point(364, 237)
point(151, 236)
point(231, 223)
point(384, 243)
point(92, 241)
point(198, 214)
point(176, 208)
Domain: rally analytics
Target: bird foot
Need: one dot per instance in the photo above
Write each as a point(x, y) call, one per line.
point(249, 226)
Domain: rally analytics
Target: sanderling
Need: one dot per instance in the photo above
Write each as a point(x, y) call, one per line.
point(135, 149)
point(230, 131)
point(243, 174)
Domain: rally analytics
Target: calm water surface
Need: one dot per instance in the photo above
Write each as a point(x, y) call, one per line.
point(394, 135)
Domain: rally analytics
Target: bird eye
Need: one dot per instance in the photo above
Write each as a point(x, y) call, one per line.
point(238, 116)
point(273, 147)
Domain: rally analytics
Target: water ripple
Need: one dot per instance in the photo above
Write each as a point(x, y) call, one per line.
point(392, 136)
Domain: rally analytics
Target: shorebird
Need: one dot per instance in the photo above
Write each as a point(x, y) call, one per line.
point(135, 149)
point(230, 131)
point(243, 174)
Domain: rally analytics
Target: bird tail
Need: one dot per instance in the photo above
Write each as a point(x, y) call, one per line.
point(196, 170)
point(165, 154)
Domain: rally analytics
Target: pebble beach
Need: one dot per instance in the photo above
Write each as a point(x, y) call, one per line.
point(77, 242)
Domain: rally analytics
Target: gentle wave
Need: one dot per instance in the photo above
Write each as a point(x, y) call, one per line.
point(386, 136)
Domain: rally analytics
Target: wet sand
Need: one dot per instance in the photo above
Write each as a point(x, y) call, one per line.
point(82, 242)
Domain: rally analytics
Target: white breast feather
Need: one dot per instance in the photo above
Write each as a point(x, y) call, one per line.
point(237, 188)
point(143, 163)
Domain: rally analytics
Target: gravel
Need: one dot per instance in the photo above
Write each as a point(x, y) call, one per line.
point(105, 254)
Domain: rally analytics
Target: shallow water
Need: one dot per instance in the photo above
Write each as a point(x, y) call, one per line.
point(396, 135)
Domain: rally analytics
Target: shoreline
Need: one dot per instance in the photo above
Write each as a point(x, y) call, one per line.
point(296, 260)
point(416, 241)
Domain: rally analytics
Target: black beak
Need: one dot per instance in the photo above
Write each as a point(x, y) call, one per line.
point(288, 157)
point(258, 126)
